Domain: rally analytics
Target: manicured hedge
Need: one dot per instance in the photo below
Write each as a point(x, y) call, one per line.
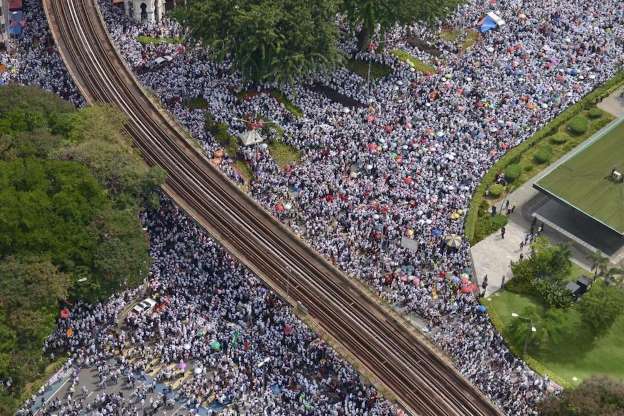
point(512, 172)
point(594, 113)
point(578, 125)
point(495, 190)
point(586, 103)
point(543, 155)
point(559, 138)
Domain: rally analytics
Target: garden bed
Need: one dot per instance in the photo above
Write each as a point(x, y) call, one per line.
point(159, 40)
point(420, 44)
point(524, 154)
point(284, 154)
point(414, 62)
point(578, 355)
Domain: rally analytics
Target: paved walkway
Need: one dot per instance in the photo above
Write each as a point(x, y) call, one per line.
point(492, 256)
point(613, 104)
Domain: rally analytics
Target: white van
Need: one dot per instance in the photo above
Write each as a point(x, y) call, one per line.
point(146, 305)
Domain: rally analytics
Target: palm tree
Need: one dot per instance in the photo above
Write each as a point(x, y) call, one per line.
point(614, 275)
point(599, 262)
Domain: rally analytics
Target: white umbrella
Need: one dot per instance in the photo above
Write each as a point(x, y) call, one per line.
point(453, 240)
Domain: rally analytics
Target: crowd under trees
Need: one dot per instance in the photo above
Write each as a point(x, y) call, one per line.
point(71, 188)
point(283, 40)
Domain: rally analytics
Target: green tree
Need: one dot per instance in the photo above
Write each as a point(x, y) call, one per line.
point(29, 290)
point(599, 262)
point(68, 228)
point(601, 306)
point(542, 273)
point(366, 16)
point(595, 396)
point(29, 108)
point(526, 331)
point(97, 140)
point(121, 258)
point(267, 40)
point(558, 327)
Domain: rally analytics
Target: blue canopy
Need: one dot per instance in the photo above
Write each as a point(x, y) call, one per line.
point(488, 24)
point(15, 30)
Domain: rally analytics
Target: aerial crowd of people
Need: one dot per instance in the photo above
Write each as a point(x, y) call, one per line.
point(382, 162)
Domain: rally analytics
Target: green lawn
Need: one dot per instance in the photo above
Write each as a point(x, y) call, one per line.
point(378, 71)
point(283, 154)
point(450, 35)
point(414, 62)
point(583, 181)
point(577, 357)
point(157, 40)
point(289, 105)
point(243, 168)
point(470, 39)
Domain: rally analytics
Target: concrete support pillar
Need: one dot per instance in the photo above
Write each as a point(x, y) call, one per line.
point(160, 9)
point(151, 18)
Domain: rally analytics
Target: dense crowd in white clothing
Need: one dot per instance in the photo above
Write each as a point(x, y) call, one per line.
point(404, 163)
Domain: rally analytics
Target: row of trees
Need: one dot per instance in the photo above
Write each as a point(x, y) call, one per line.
point(283, 40)
point(71, 188)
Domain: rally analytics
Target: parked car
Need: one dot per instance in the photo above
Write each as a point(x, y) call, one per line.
point(578, 288)
point(145, 306)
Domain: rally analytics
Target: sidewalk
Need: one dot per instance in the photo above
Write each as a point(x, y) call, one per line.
point(492, 256)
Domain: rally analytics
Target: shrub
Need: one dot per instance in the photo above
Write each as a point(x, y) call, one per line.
point(495, 190)
point(512, 172)
point(528, 168)
point(553, 293)
point(578, 125)
point(594, 113)
point(488, 224)
point(542, 155)
point(559, 138)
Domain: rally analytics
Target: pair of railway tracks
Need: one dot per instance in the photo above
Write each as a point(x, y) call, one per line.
point(420, 379)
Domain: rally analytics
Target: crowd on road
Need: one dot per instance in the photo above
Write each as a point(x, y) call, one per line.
point(232, 340)
point(400, 166)
point(404, 163)
point(32, 59)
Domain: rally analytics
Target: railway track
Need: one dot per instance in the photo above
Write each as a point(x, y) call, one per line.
point(422, 381)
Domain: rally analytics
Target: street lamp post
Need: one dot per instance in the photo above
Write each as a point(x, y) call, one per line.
point(533, 330)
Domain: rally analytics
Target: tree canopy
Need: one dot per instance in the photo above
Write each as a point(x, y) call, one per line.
point(595, 396)
point(266, 40)
point(366, 16)
point(542, 273)
point(71, 187)
point(601, 306)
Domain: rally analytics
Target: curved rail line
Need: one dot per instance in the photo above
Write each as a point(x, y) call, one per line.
point(423, 382)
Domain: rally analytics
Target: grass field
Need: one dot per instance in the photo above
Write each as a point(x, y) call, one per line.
point(158, 40)
point(283, 154)
point(575, 358)
point(414, 62)
point(583, 181)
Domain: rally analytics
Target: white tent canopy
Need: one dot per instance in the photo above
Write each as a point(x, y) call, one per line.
point(499, 21)
point(250, 137)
